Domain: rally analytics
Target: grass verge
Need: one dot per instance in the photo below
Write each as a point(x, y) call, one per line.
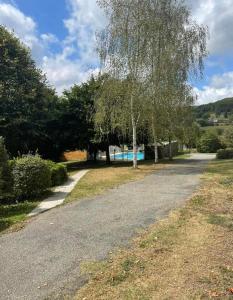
point(186, 256)
point(100, 179)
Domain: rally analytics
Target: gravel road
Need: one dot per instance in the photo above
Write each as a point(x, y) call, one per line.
point(42, 260)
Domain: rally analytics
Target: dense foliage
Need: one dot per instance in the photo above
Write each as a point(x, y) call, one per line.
point(225, 153)
point(32, 176)
point(27, 103)
point(224, 106)
point(209, 142)
point(227, 137)
point(58, 173)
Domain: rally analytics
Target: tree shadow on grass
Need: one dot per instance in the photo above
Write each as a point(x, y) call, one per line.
point(12, 213)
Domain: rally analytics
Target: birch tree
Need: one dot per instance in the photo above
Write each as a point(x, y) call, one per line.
point(154, 46)
point(176, 50)
point(122, 50)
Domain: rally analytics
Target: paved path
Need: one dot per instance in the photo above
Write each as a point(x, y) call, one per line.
point(59, 194)
point(42, 260)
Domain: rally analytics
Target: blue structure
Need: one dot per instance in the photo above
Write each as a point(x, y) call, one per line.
point(127, 156)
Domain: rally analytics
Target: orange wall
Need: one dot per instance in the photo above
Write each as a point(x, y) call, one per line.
point(74, 155)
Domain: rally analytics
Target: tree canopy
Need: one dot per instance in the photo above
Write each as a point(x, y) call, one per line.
point(27, 103)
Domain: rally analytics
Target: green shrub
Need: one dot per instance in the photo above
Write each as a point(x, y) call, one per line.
point(5, 173)
point(225, 153)
point(228, 137)
point(209, 143)
point(58, 173)
point(31, 175)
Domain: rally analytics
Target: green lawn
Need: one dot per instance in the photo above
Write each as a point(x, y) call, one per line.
point(13, 215)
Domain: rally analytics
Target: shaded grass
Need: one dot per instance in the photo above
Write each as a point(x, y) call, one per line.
point(221, 168)
point(12, 215)
point(183, 155)
point(186, 256)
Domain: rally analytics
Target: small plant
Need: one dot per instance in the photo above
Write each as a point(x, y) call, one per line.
point(31, 175)
point(127, 264)
point(198, 200)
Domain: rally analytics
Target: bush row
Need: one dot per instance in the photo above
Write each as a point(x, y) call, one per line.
point(225, 153)
point(30, 176)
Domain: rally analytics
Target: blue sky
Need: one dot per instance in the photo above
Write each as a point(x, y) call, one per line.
point(61, 35)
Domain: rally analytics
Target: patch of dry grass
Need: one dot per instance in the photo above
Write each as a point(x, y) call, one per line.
point(98, 180)
point(186, 256)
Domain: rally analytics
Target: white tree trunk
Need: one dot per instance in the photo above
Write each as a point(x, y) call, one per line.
point(170, 149)
point(135, 162)
point(156, 151)
point(155, 147)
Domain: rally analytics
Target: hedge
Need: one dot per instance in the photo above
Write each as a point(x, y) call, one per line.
point(58, 173)
point(32, 176)
point(225, 153)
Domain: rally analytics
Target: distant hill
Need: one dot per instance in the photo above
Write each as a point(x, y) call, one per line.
point(221, 107)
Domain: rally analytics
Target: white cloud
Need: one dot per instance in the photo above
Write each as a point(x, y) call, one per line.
point(85, 19)
point(218, 16)
point(77, 59)
point(13, 18)
point(24, 27)
point(221, 86)
point(49, 38)
point(64, 72)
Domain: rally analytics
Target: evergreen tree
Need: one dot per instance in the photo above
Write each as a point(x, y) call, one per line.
point(27, 103)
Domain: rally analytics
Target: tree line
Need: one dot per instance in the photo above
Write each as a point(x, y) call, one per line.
point(148, 51)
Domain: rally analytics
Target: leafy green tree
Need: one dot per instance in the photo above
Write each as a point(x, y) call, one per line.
point(27, 103)
point(176, 49)
point(227, 137)
point(109, 113)
point(77, 128)
point(209, 142)
point(77, 111)
point(153, 46)
point(121, 49)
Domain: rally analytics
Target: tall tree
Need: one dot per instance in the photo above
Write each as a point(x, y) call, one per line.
point(121, 48)
point(109, 104)
point(177, 47)
point(154, 46)
point(77, 115)
point(26, 100)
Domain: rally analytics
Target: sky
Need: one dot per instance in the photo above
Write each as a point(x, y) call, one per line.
point(61, 36)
